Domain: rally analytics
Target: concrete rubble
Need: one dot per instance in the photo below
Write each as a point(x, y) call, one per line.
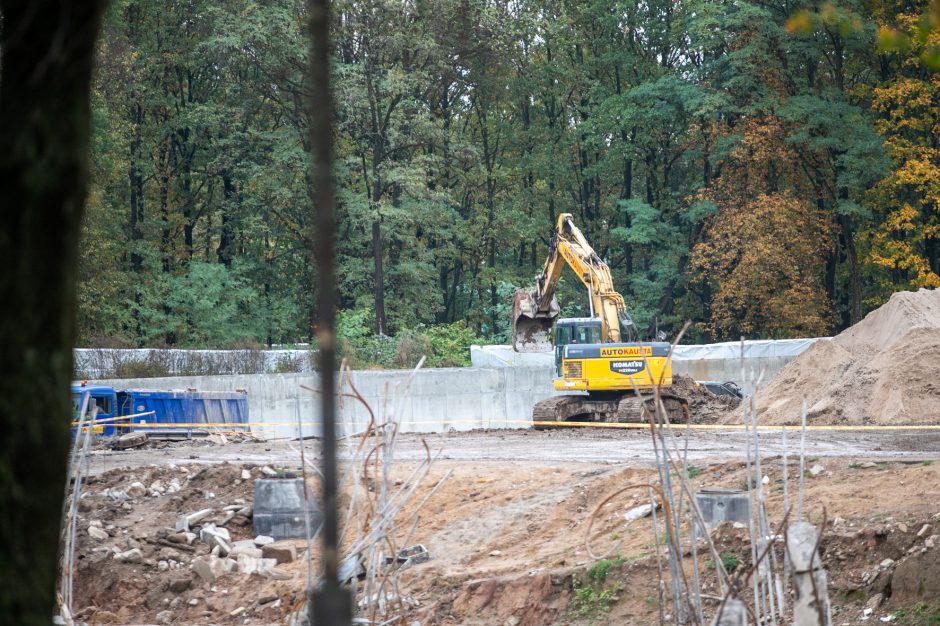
point(136, 490)
point(185, 522)
point(637, 512)
point(216, 538)
point(134, 555)
point(97, 532)
point(281, 552)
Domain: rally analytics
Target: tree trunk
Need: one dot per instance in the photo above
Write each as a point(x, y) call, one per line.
point(226, 231)
point(379, 276)
point(136, 181)
point(48, 49)
point(932, 250)
point(855, 289)
point(626, 193)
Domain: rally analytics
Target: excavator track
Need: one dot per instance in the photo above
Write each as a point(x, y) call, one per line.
point(626, 408)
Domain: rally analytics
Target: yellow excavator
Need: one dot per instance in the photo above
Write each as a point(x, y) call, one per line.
point(619, 378)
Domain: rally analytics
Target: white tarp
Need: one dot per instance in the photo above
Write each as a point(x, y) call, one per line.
point(504, 356)
point(753, 349)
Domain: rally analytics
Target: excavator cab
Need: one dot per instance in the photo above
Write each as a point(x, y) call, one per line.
point(580, 330)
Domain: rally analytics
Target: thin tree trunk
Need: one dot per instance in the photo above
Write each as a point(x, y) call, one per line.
point(855, 281)
point(379, 276)
point(226, 232)
point(48, 48)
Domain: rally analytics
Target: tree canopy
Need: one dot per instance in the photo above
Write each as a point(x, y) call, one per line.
point(760, 168)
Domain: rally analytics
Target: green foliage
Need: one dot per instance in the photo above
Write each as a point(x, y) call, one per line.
point(729, 560)
point(450, 344)
point(693, 471)
point(597, 573)
point(753, 167)
point(443, 345)
point(593, 597)
point(919, 614)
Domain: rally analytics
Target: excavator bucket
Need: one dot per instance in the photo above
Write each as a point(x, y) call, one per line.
point(530, 327)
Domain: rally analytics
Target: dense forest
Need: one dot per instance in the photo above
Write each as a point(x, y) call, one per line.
point(761, 168)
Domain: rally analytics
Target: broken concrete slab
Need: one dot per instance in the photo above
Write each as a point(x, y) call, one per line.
point(134, 555)
point(243, 543)
point(210, 531)
point(181, 538)
point(97, 533)
point(280, 551)
point(250, 565)
point(179, 584)
point(186, 522)
point(637, 512)
point(247, 551)
point(202, 568)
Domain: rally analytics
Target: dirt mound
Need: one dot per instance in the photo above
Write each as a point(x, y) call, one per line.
point(883, 370)
point(704, 406)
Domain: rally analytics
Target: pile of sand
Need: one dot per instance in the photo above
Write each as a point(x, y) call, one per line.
point(883, 370)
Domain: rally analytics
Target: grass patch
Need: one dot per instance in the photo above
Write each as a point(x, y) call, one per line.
point(692, 471)
point(592, 595)
point(728, 559)
point(920, 614)
point(927, 463)
point(597, 573)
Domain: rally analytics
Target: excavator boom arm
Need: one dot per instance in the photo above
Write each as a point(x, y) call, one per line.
point(534, 311)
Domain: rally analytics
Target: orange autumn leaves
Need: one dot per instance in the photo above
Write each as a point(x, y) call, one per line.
point(905, 243)
point(763, 254)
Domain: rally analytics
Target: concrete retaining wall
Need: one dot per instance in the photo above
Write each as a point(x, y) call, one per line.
point(719, 362)
point(434, 400)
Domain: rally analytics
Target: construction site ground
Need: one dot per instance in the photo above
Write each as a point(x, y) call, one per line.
point(506, 532)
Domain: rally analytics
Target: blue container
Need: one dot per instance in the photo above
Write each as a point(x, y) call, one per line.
point(189, 409)
point(186, 408)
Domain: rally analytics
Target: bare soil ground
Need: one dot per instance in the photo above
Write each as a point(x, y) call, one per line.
point(507, 531)
point(575, 445)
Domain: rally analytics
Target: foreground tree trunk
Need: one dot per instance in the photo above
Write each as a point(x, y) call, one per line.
point(47, 49)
